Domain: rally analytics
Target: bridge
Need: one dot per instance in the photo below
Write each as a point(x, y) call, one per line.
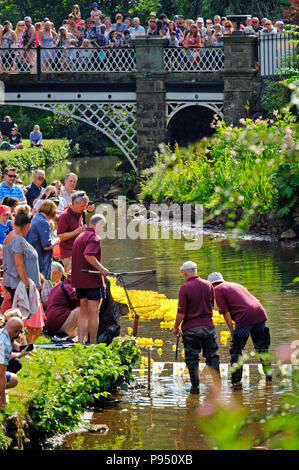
point(143, 96)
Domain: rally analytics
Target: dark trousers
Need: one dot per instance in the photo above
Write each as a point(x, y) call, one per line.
point(14, 365)
point(260, 336)
point(196, 340)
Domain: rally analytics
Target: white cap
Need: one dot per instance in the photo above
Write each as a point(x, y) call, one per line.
point(215, 277)
point(188, 265)
point(27, 18)
point(199, 20)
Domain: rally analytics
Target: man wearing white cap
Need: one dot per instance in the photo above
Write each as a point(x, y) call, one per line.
point(195, 310)
point(237, 305)
point(29, 34)
point(201, 27)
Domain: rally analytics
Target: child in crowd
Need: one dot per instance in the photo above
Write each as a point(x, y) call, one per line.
point(95, 10)
point(11, 202)
point(5, 222)
point(85, 55)
point(127, 39)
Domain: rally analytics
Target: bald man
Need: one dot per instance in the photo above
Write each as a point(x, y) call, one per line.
point(8, 334)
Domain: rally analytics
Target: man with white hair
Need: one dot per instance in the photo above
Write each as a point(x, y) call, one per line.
point(195, 310)
point(237, 305)
point(137, 29)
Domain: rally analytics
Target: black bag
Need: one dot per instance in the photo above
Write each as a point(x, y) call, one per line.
point(109, 315)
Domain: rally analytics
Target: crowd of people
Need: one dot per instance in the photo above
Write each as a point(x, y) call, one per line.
point(100, 31)
point(45, 247)
point(11, 137)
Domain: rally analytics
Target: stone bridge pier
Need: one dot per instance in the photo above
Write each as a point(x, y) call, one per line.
point(238, 79)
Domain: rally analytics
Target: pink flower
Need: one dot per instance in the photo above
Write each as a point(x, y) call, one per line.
point(275, 112)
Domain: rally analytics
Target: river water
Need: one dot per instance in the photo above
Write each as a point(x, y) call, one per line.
point(166, 418)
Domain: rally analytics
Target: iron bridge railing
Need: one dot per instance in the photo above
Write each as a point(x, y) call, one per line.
point(200, 59)
point(277, 53)
point(58, 60)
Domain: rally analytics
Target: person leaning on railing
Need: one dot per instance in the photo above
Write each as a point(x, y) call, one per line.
point(8, 40)
point(269, 28)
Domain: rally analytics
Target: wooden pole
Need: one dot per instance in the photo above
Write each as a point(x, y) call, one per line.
point(149, 369)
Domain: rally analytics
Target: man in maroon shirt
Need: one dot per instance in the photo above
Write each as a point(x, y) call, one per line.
point(90, 288)
point(195, 310)
point(237, 305)
point(63, 308)
point(70, 225)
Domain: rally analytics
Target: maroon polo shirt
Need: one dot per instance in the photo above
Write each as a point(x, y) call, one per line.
point(68, 221)
point(86, 244)
point(196, 301)
point(58, 307)
point(244, 308)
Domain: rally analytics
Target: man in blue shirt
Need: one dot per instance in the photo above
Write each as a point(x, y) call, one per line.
point(119, 26)
point(36, 137)
point(137, 29)
point(35, 189)
point(9, 188)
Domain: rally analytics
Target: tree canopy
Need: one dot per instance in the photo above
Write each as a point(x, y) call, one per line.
point(15, 10)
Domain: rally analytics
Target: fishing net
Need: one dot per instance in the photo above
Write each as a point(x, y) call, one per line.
point(138, 290)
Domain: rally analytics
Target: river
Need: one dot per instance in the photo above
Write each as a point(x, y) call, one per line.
point(167, 418)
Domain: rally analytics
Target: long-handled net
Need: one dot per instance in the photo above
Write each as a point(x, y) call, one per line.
point(142, 302)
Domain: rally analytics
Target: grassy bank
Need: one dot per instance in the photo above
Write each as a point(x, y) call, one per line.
point(28, 158)
point(55, 386)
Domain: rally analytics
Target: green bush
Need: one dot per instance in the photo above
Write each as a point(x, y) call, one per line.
point(238, 171)
point(31, 158)
point(91, 374)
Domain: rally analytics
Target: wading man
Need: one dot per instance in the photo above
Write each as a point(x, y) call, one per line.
point(237, 305)
point(90, 287)
point(195, 310)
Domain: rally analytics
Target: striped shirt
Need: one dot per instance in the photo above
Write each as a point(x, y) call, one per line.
point(5, 347)
point(13, 191)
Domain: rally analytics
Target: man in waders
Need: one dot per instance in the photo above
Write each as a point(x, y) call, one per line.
point(236, 304)
point(195, 310)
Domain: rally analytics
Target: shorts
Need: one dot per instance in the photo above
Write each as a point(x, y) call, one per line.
point(8, 376)
point(93, 293)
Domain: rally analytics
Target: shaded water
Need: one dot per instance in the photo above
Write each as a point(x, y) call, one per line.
point(168, 419)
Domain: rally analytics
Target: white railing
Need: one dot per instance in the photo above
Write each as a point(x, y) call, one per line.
point(201, 59)
point(277, 53)
point(17, 60)
point(58, 60)
point(88, 60)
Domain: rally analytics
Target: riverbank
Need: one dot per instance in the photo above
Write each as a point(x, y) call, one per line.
point(27, 159)
point(57, 385)
point(246, 178)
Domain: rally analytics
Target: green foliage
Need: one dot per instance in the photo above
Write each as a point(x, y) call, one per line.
point(230, 427)
point(4, 440)
point(275, 96)
point(32, 158)
point(91, 374)
point(237, 173)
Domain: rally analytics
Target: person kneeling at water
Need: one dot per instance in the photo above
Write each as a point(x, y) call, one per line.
point(63, 308)
point(236, 304)
point(195, 310)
